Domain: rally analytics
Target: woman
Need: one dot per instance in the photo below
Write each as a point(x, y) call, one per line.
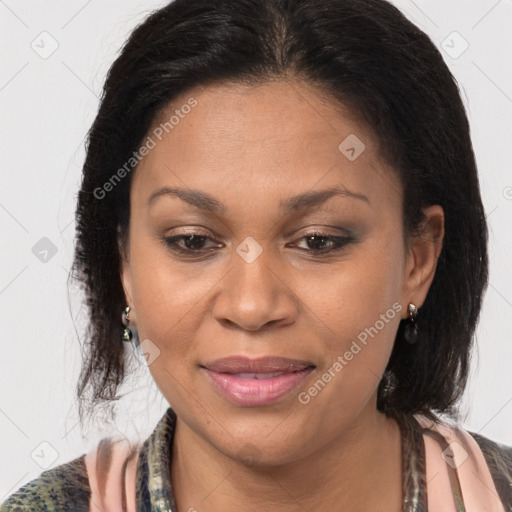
point(280, 208)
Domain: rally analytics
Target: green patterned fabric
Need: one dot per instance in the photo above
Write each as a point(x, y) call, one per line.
point(61, 489)
point(66, 487)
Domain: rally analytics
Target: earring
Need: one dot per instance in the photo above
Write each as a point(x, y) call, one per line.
point(127, 333)
point(411, 331)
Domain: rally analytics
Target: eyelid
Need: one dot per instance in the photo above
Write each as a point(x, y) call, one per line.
point(294, 234)
point(323, 230)
point(193, 230)
point(338, 243)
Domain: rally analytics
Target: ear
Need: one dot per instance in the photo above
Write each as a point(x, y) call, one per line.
point(423, 254)
point(126, 278)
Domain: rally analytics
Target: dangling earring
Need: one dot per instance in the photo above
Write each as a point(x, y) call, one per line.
point(127, 333)
point(411, 331)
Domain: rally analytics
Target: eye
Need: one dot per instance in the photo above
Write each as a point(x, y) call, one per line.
point(192, 243)
point(321, 243)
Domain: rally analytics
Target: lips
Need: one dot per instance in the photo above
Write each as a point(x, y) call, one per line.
point(263, 365)
point(256, 382)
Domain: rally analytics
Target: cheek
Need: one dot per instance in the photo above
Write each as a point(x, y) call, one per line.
point(167, 300)
point(355, 294)
point(347, 307)
point(360, 310)
point(169, 297)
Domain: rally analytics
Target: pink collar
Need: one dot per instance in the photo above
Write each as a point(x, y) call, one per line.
point(112, 472)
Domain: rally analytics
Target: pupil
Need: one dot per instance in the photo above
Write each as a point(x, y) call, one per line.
point(189, 242)
point(315, 240)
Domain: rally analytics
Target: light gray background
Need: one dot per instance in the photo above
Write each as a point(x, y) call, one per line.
point(46, 107)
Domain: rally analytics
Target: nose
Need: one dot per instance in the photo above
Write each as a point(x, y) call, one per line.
point(255, 295)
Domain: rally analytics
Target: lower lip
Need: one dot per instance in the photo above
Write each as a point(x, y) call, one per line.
point(252, 392)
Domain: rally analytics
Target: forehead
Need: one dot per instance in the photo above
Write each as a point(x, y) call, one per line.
point(261, 140)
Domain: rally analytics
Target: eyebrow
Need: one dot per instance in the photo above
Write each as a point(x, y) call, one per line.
point(304, 201)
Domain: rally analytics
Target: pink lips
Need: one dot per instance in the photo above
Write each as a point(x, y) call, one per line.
point(250, 382)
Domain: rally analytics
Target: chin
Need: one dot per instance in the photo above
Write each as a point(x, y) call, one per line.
point(262, 447)
point(255, 455)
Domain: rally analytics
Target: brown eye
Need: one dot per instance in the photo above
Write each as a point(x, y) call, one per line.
point(191, 243)
point(323, 243)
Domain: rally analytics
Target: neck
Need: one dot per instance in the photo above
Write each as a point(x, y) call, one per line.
point(359, 470)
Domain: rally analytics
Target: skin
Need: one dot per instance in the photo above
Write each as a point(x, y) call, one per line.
point(251, 147)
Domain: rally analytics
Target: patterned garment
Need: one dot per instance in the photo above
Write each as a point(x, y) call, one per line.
point(66, 487)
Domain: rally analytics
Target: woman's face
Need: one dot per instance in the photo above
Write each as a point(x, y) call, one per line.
point(260, 170)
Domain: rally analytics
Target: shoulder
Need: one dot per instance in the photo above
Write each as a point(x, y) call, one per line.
point(105, 474)
point(483, 467)
point(499, 460)
point(62, 488)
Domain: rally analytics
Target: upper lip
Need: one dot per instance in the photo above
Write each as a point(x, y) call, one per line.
point(241, 364)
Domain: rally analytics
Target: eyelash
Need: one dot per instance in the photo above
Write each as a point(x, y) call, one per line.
point(338, 242)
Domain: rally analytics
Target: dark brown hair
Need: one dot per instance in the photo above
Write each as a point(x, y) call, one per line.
point(365, 55)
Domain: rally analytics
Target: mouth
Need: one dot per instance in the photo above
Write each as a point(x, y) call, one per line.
point(255, 382)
